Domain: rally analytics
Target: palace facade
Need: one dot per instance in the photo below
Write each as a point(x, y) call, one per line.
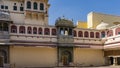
point(28, 41)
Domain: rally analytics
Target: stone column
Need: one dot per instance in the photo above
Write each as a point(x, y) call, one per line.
point(58, 31)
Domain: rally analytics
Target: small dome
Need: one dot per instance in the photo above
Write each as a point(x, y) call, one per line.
point(64, 23)
point(102, 25)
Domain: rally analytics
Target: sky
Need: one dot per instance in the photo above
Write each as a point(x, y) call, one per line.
point(77, 10)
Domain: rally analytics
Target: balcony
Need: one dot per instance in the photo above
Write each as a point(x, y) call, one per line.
point(4, 36)
point(4, 16)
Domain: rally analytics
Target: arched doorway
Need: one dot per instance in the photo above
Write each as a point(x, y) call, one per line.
point(3, 57)
point(111, 60)
point(1, 61)
point(118, 60)
point(66, 58)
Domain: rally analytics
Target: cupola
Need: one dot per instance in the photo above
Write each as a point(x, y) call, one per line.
point(102, 26)
point(62, 22)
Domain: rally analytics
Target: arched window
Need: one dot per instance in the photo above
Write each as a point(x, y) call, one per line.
point(110, 33)
point(86, 34)
point(61, 31)
point(91, 34)
point(41, 6)
point(5, 26)
point(97, 35)
point(103, 34)
point(47, 31)
point(40, 31)
point(53, 31)
point(80, 34)
point(74, 33)
point(29, 30)
point(117, 31)
point(70, 31)
point(22, 29)
point(13, 29)
point(66, 31)
point(35, 5)
point(34, 30)
point(28, 5)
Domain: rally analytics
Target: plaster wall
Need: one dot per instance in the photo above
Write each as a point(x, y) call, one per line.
point(88, 57)
point(33, 56)
point(93, 19)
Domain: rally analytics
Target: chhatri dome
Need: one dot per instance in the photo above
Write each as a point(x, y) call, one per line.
point(102, 26)
point(62, 22)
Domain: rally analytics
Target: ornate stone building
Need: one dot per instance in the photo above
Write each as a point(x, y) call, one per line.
point(27, 41)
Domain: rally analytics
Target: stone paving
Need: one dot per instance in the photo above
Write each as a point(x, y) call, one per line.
point(92, 67)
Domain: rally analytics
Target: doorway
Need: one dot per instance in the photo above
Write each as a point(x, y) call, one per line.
point(118, 60)
point(1, 61)
point(66, 58)
point(111, 60)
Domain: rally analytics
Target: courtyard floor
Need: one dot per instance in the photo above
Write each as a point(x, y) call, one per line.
point(92, 67)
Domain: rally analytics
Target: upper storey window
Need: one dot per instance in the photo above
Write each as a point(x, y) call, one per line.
point(41, 6)
point(34, 30)
point(75, 33)
point(22, 29)
point(13, 29)
point(117, 31)
point(47, 31)
point(53, 31)
point(86, 34)
point(61, 31)
point(40, 30)
point(102, 34)
point(70, 31)
point(35, 6)
point(5, 26)
point(110, 33)
point(97, 35)
point(15, 7)
point(21, 7)
point(28, 5)
point(2, 6)
point(80, 34)
point(6, 7)
point(29, 29)
point(92, 34)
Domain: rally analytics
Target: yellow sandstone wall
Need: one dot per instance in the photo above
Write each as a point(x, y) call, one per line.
point(33, 56)
point(81, 24)
point(93, 19)
point(88, 57)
